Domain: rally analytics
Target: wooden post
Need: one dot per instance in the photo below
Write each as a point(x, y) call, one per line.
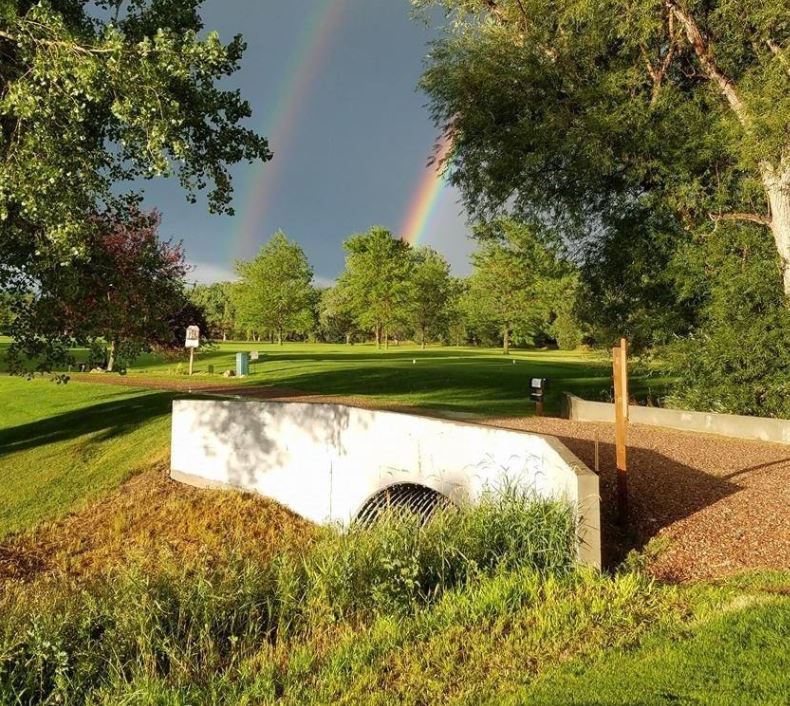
point(620, 369)
point(538, 407)
point(191, 359)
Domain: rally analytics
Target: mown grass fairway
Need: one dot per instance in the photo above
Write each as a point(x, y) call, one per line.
point(62, 445)
point(474, 380)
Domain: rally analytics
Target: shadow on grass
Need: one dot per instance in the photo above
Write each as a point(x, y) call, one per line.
point(108, 420)
point(486, 386)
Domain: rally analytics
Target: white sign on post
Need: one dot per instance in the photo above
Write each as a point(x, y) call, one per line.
point(192, 342)
point(193, 337)
point(254, 355)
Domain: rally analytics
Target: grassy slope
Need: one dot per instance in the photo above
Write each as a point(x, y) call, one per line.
point(476, 380)
point(62, 445)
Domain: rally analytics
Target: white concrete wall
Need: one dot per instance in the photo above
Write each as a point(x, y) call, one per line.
point(325, 460)
point(741, 427)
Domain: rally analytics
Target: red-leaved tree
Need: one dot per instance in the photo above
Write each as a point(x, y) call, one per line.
point(124, 295)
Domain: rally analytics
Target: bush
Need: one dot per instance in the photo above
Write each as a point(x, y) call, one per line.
point(738, 358)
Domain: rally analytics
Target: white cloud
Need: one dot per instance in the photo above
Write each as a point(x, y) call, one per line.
point(209, 272)
point(323, 282)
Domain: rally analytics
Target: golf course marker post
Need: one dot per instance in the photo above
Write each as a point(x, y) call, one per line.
point(620, 371)
point(192, 341)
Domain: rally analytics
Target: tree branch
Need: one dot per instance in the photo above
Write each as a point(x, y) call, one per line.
point(750, 217)
point(714, 73)
point(59, 43)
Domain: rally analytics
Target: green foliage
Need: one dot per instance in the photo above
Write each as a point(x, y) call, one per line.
point(648, 118)
point(738, 359)
point(432, 293)
point(95, 96)
point(216, 300)
point(276, 291)
point(632, 282)
point(522, 285)
point(126, 293)
point(89, 102)
point(377, 281)
point(336, 314)
point(6, 312)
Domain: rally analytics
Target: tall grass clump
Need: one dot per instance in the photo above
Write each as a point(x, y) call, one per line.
point(403, 563)
point(190, 625)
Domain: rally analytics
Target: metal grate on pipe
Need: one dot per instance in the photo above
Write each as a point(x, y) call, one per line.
point(403, 499)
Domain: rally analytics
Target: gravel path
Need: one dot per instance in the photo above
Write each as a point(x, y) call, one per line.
point(716, 505)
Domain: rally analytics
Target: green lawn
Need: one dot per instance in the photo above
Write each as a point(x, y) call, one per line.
point(733, 653)
point(472, 380)
point(610, 641)
point(63, 445)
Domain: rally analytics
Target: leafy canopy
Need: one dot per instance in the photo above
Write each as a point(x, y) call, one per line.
point(276, 292)
point(377, 280)
point(564, 109)
point(127, 293)
point(432, 293)
point(522, 283)
point(92, 96)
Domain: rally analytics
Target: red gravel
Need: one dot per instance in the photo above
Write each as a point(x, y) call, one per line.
point(718, 505)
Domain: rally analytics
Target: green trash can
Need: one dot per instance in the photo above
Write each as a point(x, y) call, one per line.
point(242, 363)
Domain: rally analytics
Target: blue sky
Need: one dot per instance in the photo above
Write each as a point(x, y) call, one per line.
point(358, 141)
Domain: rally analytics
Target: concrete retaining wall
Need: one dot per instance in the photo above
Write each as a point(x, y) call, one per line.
point(761, 428)
point(324, 461)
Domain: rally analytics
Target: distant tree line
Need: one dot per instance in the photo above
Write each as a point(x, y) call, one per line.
point(521, 290)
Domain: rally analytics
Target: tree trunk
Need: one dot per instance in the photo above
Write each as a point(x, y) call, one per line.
point(777, 188)
point(422, 338)
point(506, 340)
point(348, 339)
point(111, 356)
point(386, 339)
point(279, 336)
point(378, 336)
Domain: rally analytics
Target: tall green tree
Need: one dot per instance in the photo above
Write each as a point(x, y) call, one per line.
point(573, 111)
point(498, 291)
point(429, 308)
point(276, 291)
point(336, 314)
point(377, 280)
point(522, 283)
point(216, 301)
point(94, 95)
point(126, 297)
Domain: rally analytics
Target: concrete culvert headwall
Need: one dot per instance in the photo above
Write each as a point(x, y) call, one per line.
point(330, 462)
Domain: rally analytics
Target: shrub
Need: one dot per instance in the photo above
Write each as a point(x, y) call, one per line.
point(738, 358)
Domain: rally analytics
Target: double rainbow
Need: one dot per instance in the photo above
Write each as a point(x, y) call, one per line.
point(279, 125)
point(426, 196)
point(281, 122)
